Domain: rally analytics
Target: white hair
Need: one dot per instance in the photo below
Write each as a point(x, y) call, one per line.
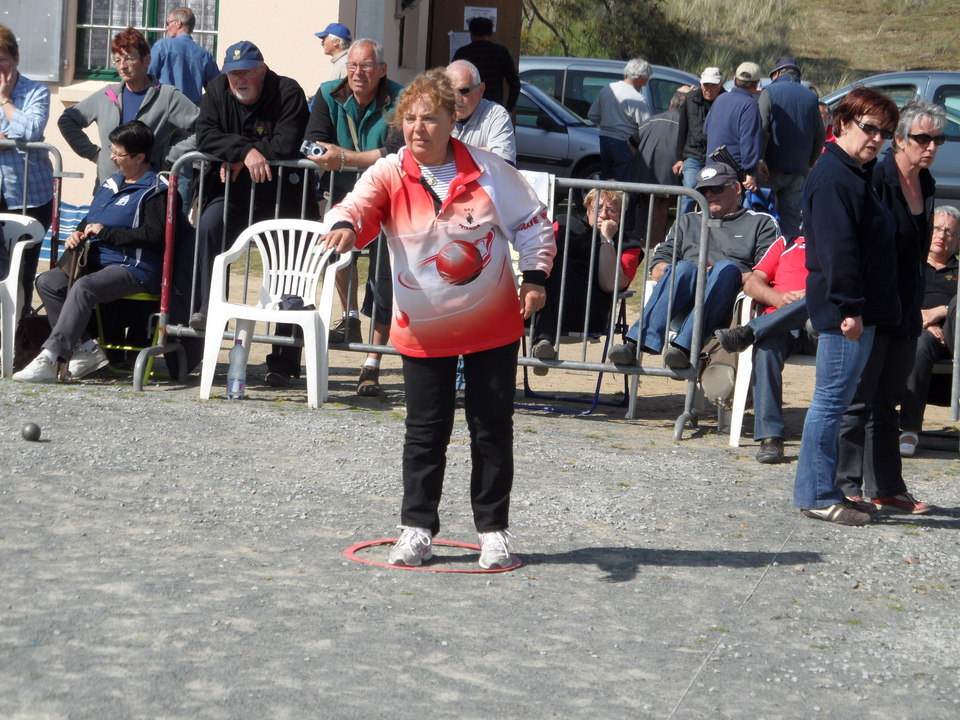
point(637, 68)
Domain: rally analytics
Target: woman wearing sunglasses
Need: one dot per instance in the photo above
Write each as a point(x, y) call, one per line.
point(869, 462)
point(851, 288)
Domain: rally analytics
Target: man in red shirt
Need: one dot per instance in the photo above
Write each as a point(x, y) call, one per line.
point(778, 281)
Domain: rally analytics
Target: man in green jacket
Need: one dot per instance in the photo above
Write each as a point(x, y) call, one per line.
point(350, 119)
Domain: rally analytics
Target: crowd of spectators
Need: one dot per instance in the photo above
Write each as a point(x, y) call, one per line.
point(876, 333)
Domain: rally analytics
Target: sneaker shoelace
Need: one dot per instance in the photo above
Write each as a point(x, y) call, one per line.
point(499, 540)
point(412, 538)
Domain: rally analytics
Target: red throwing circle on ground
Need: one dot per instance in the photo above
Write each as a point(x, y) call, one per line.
point(439, 563)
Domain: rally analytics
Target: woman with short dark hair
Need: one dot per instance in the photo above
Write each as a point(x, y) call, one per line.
point(869, 461)
point(851, 288)
point(125, 232)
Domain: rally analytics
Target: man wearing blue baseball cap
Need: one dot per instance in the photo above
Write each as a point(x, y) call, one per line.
point(249, 117)
point(336, 41)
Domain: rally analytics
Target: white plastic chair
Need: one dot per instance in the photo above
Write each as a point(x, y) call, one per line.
point(744, 311)
point(20, 232)
point(292, 265)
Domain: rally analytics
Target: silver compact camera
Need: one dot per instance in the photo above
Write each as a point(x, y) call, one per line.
point(312, 149)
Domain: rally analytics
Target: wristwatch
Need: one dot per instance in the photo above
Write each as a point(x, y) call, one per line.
point(4, 102)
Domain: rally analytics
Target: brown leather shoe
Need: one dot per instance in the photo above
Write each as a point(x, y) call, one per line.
point(841, 513)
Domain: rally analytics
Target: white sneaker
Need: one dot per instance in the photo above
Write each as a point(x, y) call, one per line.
point(494, 549)
point(40, 370)
point(412, 548)
point(84, 362)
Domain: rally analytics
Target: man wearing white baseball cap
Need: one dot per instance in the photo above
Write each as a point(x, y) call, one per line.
point(691, 139)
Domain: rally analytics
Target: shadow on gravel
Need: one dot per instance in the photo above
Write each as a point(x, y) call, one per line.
point(622, 563)
point(944, 518)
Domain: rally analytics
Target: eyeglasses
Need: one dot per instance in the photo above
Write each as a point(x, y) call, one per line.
point(362, 67)
point(874, 130)
point(925, 139)
point(467, 90)
point(115, 154)
point(713, 190)
point(128, 60)
point(945, 230)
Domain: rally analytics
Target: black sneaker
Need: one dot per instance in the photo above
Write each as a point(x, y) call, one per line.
point(676, 358)
point(736, 339)
point(625, 354)
point(771, 451)
point(278, 379)
point(346, 331)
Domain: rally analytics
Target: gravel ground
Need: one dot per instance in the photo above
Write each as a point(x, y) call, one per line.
point(167, 557)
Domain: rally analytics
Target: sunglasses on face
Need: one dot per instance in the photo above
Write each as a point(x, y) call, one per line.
point(874, 130)
point(713, 190)
point(467, 90)
point(925, 139)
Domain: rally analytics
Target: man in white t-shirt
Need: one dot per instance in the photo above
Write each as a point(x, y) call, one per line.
point(619, 110)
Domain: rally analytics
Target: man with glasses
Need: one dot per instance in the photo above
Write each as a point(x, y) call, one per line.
point(480, 122)
point(250, 116)
point(179, 61)
point(739, 238)
point(349, 118)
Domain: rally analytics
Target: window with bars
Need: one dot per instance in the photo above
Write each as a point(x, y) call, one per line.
point(98, 22)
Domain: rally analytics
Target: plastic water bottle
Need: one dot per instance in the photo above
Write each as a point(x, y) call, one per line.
point(237, 372)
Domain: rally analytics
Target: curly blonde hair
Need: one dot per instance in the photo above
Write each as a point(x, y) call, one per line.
point(433, 87)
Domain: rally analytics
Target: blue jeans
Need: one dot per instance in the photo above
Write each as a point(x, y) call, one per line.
point(776, 335)
point(691, 167)
point(723, 284)
point(615, 159)
point(839, 365)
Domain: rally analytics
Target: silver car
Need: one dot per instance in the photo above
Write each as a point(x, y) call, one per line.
point(575, 82)
point(942, 88)
point(552, 139)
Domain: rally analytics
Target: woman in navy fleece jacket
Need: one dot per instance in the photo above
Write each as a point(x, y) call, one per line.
point(851, 288)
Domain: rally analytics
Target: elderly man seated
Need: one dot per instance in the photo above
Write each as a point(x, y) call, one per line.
point(738, 240)
point(939, 323)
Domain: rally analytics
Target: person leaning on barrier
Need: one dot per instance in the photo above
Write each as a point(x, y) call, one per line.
point(939, 314)
point(168, 113)
point(738, 239)
point(603, 210)
point(350, 119)
point(24, 109)
point(125, 233)
point(480, 122)
point(250, 116)
point(450, 213)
